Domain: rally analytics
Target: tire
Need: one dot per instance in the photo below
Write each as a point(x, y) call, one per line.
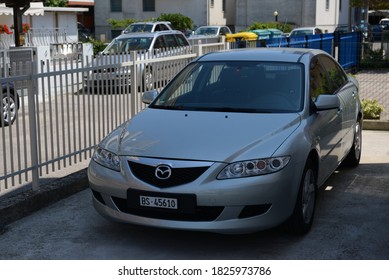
point(9, 108)
point(354, 156)
point(148, 83)
point(302, 218)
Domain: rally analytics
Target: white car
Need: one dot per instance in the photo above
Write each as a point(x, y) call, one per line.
point(119, 50)
point(212, 30)
point(303, 31)
point(149, 26)
point(208, 34)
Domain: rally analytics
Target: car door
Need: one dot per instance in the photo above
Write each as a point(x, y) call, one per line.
point(327, 123)
point(347, 93)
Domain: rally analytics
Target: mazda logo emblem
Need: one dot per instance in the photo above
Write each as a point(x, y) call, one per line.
point(163, 172)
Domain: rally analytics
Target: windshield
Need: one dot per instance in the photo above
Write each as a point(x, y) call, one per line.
point(238, 86)
point(124, 45)
point(302, 32)
point(208, 31)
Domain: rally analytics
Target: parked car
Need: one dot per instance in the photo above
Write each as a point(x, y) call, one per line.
point(303, 31)
point(212, 30)
point(376, 33)
point(343, 28)
point(238, 141)
point(384, 23)
point(168, 42)
point(10, 104)
point(150, 26)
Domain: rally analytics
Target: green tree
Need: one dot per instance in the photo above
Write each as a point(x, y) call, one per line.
point(56, 3)
point(286, 28)
point(372, 4)
point(179, 21)
point(120, 23)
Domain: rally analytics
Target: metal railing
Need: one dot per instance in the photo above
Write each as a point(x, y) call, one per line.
point(69, 106)
point(66, 106)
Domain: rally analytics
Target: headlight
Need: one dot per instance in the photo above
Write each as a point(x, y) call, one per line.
point(107, 159)
point(254, 167)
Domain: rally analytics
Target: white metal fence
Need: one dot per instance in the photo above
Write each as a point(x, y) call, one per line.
point(37, 37)
point(67, 107)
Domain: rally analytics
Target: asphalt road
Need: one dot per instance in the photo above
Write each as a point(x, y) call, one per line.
point(352, 223)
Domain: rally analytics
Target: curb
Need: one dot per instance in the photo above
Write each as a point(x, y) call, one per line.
point(20, 205)
point(375, 125)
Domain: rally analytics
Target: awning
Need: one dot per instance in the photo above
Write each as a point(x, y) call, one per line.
point(36, 9)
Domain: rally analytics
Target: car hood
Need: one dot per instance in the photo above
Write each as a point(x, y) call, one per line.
point(205, 136)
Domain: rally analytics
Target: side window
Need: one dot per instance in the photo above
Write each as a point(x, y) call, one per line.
point(181, 40)
point(158, 28)
point(159, 43)
point(337, 78)
point(223, 31)
point(317, 31)
point(318, 82)
point(164, 27)
point(171, 41)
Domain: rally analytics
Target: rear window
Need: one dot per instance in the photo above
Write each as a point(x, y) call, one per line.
point(124, 45)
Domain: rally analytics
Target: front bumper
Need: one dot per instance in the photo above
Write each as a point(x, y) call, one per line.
point(225, 206)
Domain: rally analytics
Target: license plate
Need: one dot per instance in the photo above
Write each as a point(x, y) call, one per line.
point(158, 202)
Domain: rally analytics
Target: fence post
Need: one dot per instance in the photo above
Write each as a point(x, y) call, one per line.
point(32, 126)
point(134, 80)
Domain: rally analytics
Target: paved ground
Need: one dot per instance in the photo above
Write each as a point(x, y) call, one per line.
point(352, 222)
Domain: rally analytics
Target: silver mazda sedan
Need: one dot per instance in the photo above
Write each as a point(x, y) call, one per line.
point(238, 141)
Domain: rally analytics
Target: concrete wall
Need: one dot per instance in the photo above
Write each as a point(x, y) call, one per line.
point(239, 14)
point(196, 10)
point(328, 19)
point(297, 12)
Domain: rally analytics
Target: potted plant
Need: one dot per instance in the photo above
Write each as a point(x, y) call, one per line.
point(371, 109)
point(4, 29)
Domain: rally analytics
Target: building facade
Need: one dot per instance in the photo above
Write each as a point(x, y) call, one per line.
point(202, 12)
point(325, 14)
point(237, 14)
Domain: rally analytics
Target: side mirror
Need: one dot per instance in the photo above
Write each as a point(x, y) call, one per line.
point(327, 102)
point(149, 96)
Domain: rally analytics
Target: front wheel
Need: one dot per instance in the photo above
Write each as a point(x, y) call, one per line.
point(302, 218)
point(148, 79)
point(354, 155)
point(10, 109)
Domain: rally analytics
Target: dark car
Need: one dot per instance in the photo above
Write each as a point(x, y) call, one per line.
point(376, 32)
point(10, 104)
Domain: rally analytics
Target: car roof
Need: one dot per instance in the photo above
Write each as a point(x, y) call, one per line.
point(212, 26)
point(260, 54)
point(304, 28)
point(148, 34)
point(151, 22)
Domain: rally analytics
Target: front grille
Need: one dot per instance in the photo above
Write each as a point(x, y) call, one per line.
point(201, 213)
point(179, 176)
